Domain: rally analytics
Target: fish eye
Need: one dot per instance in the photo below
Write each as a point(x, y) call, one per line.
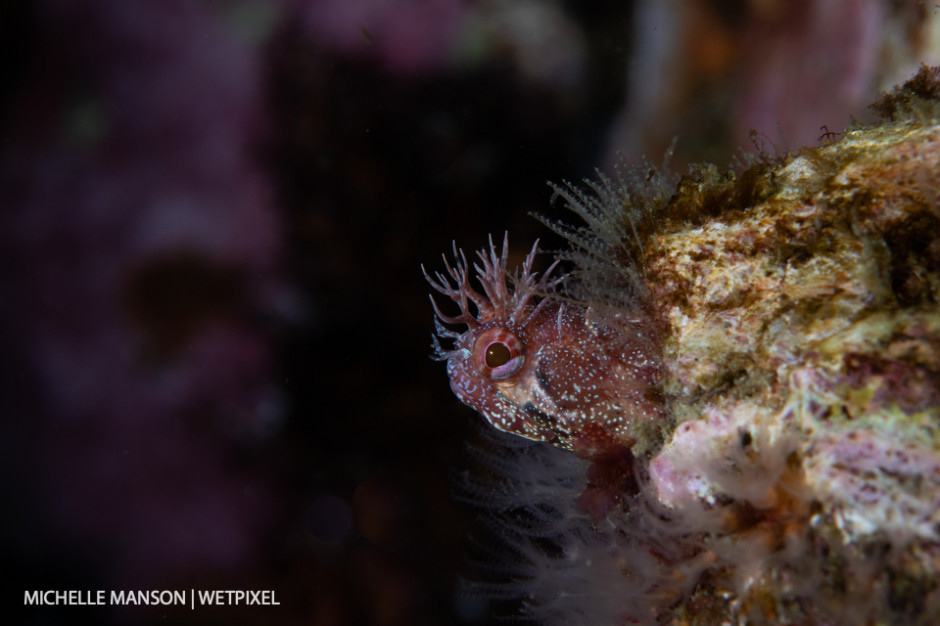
point(498, 354)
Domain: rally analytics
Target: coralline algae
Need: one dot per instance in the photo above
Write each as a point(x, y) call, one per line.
point(795, 478)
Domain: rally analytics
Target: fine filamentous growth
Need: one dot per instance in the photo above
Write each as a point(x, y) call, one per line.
point(740, 377)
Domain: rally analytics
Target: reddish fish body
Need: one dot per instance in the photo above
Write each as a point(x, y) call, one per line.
point(541, 367)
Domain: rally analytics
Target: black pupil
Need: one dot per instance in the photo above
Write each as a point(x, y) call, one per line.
point(497, 354)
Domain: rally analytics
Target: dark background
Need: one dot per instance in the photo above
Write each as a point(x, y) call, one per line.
point(215, 328)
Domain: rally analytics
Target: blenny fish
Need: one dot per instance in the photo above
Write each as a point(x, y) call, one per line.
point(538, 364)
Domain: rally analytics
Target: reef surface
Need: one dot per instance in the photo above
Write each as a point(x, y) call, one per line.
point(803, 370)
point(794, 473)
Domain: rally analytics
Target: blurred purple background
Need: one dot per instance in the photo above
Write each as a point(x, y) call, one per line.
point(215, 330)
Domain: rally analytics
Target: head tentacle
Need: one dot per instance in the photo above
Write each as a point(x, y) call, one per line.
point(505, 296)
point(460, 291)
